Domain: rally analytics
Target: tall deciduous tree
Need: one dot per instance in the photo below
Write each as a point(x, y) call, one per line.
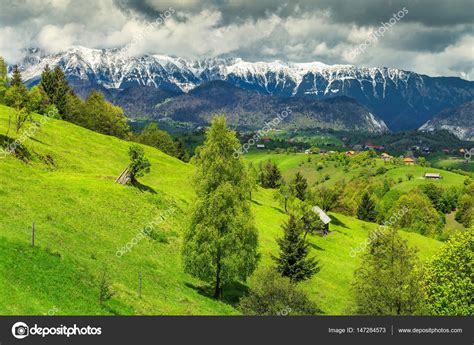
point(220, 245)
point(3, 79)
point(17, 97)
point(293, 261)
point(387, 283)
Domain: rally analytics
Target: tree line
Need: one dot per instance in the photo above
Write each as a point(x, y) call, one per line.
point(55, 98)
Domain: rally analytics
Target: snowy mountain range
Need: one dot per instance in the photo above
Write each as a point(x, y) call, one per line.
point(403, 99)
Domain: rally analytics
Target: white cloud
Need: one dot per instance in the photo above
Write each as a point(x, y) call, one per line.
point(300, 33)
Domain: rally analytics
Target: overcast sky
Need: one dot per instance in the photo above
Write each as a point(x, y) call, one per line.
point(433, 37)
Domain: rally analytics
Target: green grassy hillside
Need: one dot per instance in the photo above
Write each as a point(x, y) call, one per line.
point(82, 217)
point(291, 163)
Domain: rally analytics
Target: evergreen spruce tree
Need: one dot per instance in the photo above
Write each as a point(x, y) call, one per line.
point(220, 245)
point(61, 89)
point(300, 186)
point(16, 77)
point(270, 175)
point(47, 82)
point(366, 210)
point(293, 261)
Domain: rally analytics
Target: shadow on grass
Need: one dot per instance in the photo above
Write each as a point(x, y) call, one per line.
point(315, 246)
point(336, 221)
point(39, 141)
point(231, 293)
point(278, 210)
point(142, 187)
point(257, 203)
point(19, 151)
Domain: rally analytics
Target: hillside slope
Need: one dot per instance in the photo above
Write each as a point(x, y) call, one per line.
point(458, 120)
point(251, 110)
point(82, 217)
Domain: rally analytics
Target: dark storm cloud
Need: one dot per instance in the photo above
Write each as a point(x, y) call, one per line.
point(434, 37)
point(360, 12)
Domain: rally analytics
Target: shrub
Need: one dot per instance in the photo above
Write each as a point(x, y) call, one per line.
point(272, 294)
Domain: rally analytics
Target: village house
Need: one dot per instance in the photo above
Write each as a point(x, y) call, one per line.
point(386, 157)
point(260, 146)
point(433, 176)
point(350, 153)
point(375, 147)
point(408, 161)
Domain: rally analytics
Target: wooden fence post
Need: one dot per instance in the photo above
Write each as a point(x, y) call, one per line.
point(140, 286)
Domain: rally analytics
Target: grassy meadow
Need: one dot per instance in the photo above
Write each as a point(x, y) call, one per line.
point(82, 217)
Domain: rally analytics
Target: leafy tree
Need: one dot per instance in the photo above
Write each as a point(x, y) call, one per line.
point(103, 117)
point(299, 186)
point(409, 176)
point(153, 136)
point(293, 261)
point(3, 79)
point(284, 195)
point(220, 245)
point(420, 215)
point(326, 198)
point(52, 112)
point(387, 282)
point(17, 97)
point(366, 210)
point(272, 294)
point(465, 212)
point(181, 152)
point(448, 280)
point(139, 164)
point(422, 162)
point(38, 100)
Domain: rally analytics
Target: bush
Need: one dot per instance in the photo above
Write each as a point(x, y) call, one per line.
point(448, 285)
point(272, 294)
